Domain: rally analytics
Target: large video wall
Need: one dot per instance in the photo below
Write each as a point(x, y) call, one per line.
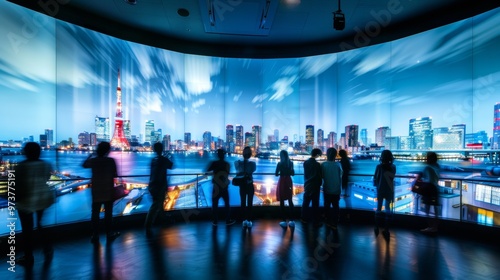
point(58, 76)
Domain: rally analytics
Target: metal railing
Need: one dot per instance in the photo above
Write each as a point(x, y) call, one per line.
point(461, 199)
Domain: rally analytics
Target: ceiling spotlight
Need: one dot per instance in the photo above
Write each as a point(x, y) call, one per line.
point(338, 19)
point(183, 12)
point(131, 2)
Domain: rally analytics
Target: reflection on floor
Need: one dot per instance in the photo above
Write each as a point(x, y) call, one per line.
point(197, 250)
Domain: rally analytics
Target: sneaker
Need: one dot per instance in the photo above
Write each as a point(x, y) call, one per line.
point(245, 223)
point(230, 222)
point(291, 224)
point(283, 224)
point(249, 224)
point(425, 229)
point(112, 236)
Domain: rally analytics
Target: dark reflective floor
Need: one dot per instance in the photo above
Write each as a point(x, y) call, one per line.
point(197, 250)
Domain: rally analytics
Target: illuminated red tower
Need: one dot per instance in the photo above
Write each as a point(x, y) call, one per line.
point(119, 141)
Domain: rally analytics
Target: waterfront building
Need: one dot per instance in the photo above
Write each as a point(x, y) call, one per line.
point(421, 131)
point(309, 138)
point(102, 130)
point(149, 130)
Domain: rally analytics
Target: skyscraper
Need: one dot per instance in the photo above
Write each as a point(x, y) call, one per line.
point(320, 136)
point(229, 138)
point(239, 139)
point(50, 137)
point(102, 129)
point(459, 130)
point(363, 135)
point(421, 131)
point(351, 134)
point(332, 139)
point(207, 140)
point(119, 140)
point(149, 130)
point(495, 141)
point(257, 135)
point(381, 135)
point(187, 138)
point(309, 137)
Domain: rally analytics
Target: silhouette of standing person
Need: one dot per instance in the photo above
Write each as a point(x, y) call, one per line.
point(431, 175)
point(312, 186)
point(284, 188)
point(247, 190)
point(220, 169)
point(157, 184)
point(332, 183)
point(346, 168)
point(33, 196)
point(383, 179)
point(103, 176)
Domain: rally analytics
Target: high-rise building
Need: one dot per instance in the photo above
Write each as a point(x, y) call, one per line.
point(230, 138)
point(102, 130)
point(381, 135)
point(444, 138)
point(119, 141)
point(157, 136)
point(240, 138)
point(363, 135)
point(459, 129)
point(421, 131)
point(495, 141)
point(149, 130)
point(309, 137)
point(50, 137)
point(320, 137)
point(166, 142)
point(127, 130)
point(332, 139)
point(43, 141)
point(351, 135)
point(93, 139)
point(83, 139)
point(187, 139)
point(207, 140)
point(257, 137)
point(480, 137)
point(249, 140)
point(276, 135)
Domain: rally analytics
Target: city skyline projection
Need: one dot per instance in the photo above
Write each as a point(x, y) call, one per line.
point(67, 81)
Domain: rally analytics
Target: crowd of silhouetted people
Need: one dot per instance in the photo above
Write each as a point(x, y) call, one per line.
point(331, 177)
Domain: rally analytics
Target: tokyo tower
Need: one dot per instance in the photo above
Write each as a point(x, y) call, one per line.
point(119, 141)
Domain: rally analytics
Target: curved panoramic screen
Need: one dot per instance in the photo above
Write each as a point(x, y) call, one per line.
point(68, 88)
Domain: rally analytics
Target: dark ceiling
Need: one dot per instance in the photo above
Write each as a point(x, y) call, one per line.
point(258, 28)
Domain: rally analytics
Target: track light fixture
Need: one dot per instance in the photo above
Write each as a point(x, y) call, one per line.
point(338, 19)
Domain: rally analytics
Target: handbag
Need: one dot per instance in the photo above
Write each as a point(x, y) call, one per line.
point(119, 191)
point(422, 188)
point(242, 178)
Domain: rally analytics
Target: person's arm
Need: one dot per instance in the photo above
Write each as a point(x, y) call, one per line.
point(87, 163)
point(376, 176)
point(277, 172)
point(291, 167)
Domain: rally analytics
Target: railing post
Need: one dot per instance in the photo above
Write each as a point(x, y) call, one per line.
point(196, 192)
point(461, 200)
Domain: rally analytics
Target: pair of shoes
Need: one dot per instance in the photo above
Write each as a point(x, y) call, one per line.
point(245, 223)
point(429, 229)
point(112, 236)
point(230, 222)
point(25, 261)
point(283, 224)
point(214, 223)
point(94, 239)
point(375, 230)
point(249, 224)
point(291, 224)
